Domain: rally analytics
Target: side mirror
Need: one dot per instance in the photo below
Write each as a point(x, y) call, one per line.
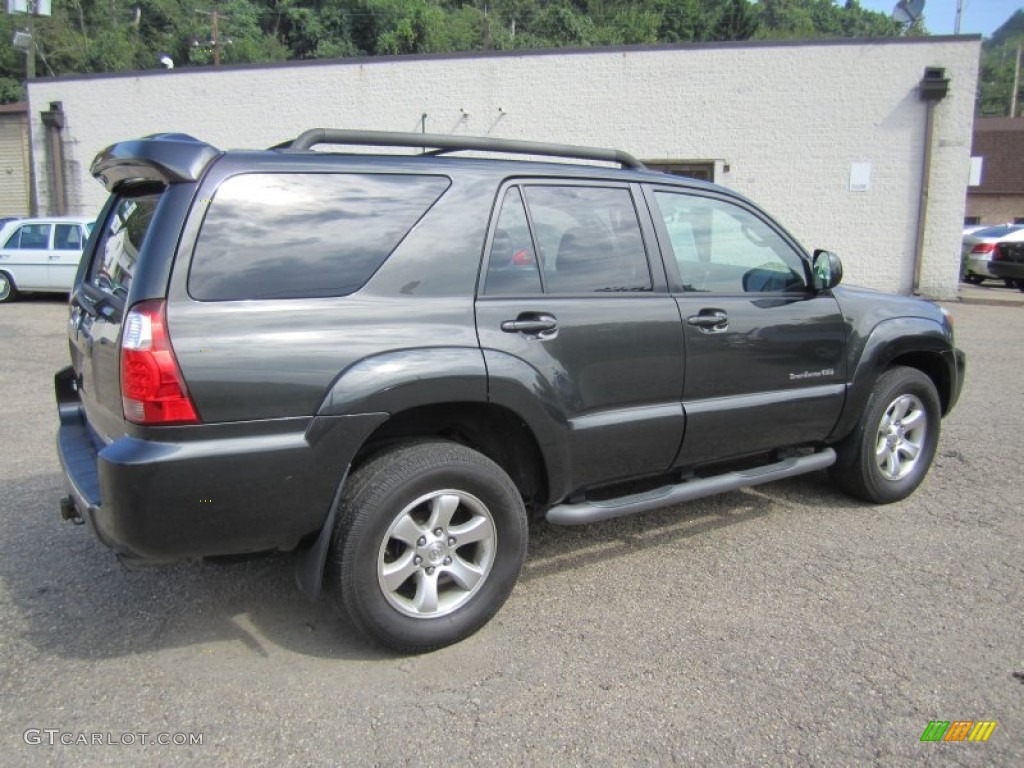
point(828, 270)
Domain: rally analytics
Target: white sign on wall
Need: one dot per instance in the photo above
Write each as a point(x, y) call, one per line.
point(860, 177)
point(974, 180)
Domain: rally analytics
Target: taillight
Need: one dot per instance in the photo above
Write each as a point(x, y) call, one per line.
point(983, 248)
point(152, 388)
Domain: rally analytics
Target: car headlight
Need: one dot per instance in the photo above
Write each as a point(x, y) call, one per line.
point(949, 320)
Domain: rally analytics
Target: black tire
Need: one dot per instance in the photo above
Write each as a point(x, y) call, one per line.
point(1009, 282)
point(1020, 285)
point(973, 279)
point(386, 523)
point(8, 290)
point(859, 471)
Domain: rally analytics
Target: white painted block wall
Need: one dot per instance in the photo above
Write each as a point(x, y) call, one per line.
point(787, 119)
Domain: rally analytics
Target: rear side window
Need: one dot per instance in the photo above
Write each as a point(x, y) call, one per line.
point(512, 268)
point(120, 242)
point(68, 237)
point(281, 235)
point(589, 239)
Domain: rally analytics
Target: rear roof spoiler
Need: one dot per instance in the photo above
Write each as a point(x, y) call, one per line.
point(162, 157)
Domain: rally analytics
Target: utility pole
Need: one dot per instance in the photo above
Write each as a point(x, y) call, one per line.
point(959, 13)
point(216, 40)
point(30, 52)
point(1016, 82)
point(215, 17)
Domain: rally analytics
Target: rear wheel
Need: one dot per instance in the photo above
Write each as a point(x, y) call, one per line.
point(973, 279)
point(430, 540)
point(889, 453)
point(8, 291)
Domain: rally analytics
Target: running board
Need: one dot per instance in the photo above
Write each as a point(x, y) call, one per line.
point(594, 511)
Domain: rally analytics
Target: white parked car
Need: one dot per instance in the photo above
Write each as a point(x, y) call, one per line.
point(41, 254)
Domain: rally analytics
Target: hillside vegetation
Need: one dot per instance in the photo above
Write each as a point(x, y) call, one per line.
point(88, 36)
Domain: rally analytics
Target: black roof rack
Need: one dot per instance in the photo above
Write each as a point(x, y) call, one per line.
point(442, 143)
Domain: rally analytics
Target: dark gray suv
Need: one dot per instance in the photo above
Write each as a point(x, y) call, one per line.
point(388, 362)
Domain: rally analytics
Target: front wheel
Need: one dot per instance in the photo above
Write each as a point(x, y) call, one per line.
point(888, 455)
point(430, 540)
point(973, 279)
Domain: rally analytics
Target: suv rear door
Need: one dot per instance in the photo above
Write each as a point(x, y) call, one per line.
point(68, 241)
point(568, 298)
point(98, 305)
point(764, 351)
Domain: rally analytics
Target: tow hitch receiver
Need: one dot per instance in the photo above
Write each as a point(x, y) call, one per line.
point(68, 511)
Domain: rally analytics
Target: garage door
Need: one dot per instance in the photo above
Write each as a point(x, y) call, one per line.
point(13, 165)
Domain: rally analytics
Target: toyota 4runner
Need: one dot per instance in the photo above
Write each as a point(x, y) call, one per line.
point(387, 362)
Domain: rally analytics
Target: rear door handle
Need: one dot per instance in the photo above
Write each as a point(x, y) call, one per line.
point(534, 325)
point(709, 320)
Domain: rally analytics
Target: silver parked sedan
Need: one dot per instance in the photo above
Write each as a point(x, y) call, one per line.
point(979, 249)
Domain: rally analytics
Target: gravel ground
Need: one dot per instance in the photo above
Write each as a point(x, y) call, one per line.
point(784, 625)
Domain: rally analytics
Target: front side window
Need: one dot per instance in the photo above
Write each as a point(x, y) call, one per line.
point(30, 237)
point(120, 242)
point(589, 239)
point(294, 235)
point(721, 247)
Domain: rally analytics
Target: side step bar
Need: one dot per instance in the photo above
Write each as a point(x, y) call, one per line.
point(593, 511)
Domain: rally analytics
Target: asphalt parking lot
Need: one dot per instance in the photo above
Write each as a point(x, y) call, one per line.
point(783, 625)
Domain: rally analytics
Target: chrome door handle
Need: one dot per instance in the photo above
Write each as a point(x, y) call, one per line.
point(709, 320)
point(534, 325)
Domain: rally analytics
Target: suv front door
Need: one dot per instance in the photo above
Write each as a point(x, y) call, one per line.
point(764, 350)
point(568, 299)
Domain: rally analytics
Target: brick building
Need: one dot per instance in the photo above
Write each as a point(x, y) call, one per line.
point(826, 135)
point(999, 198)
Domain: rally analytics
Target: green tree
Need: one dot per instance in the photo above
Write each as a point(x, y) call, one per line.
point(998, 62)
point(120, 35)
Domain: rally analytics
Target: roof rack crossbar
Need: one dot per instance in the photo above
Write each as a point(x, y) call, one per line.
point(308, 139)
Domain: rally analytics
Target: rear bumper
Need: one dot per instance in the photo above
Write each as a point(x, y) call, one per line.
point(979, 267)
point(219, 489)
point(1008, 269)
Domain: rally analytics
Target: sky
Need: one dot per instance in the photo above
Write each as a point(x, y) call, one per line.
point(977, 16)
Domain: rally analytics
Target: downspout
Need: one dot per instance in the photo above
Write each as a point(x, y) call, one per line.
point(30, 169)
point(933, 88)
point(53, 119)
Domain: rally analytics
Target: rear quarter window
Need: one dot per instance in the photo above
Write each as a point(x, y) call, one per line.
point(278, 236)
point(121, 241)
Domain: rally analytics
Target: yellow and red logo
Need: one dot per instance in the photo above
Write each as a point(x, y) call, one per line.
point(958, 730)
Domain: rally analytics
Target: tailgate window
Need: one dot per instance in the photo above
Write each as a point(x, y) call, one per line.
point(120, 242)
